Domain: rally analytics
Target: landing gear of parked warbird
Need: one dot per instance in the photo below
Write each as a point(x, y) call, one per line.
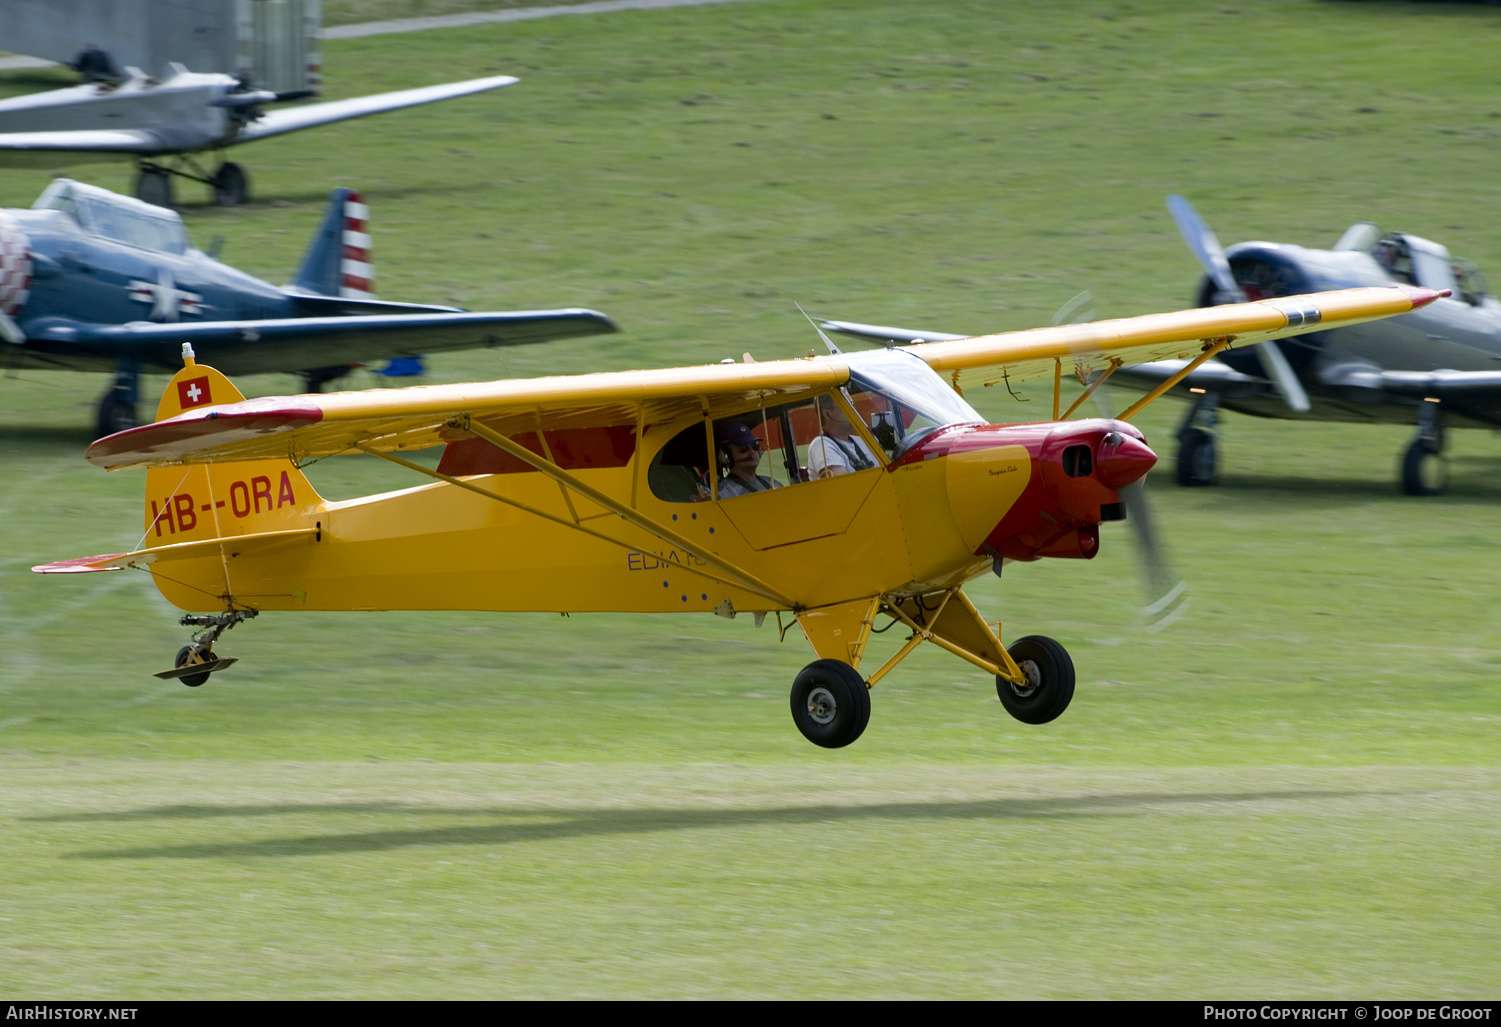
point(1425, 470)
point(197, 660)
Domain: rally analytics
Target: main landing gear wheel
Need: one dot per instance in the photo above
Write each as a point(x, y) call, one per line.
point(189, 656)
point(231, 185)
point(154, 186)
point(1050, 680)
point(1196, 458)
point(116, 413)
point(830, 703)
point(1425, 472)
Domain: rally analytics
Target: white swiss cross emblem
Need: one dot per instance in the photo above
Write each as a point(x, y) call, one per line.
point(193, 392)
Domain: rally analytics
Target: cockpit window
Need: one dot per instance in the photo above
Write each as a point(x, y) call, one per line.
point(901, 399)
point(1471, 282)
point(119, 218)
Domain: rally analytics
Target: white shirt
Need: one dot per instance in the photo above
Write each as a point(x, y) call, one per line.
point(827, 451)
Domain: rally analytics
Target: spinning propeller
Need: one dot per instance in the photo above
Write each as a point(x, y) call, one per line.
point(1167, 594)
point(1212, 256)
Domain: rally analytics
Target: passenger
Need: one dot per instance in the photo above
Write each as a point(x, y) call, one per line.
point(742, 450)
point(838, 450)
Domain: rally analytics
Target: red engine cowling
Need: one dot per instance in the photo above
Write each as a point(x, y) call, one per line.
point(1078, 468)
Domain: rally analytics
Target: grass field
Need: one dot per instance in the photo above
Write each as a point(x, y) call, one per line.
point(1293, 792)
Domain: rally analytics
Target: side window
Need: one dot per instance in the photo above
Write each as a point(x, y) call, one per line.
point(759, 450)
point(679, 471)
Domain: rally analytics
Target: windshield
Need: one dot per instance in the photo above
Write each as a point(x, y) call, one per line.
point(117, 217)
point(901, 399)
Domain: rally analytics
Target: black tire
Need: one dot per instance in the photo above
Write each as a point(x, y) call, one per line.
point(184, 657)
point(1196, 459)
point(830, 703)
point(154, 186)
point(1050, 680)
point(231, 185)
point(114, 414)
point(1425, 472)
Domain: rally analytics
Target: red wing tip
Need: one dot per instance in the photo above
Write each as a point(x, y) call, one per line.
point(1422, 297)
point(77, 565)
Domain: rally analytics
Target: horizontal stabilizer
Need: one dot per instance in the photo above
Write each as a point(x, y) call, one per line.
point(236, 545)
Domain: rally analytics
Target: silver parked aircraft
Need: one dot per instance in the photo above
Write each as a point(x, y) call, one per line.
point(144, 120)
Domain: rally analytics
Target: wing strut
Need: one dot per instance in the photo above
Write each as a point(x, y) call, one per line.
point(1211, 347)
point(565, 522)
point(1115, 362)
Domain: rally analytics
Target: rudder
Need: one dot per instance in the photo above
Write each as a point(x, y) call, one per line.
point(223, 500)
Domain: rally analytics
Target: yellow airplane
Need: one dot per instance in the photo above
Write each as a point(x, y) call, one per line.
point(648, 491)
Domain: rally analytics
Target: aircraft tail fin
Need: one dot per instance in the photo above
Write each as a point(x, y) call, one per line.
point(337, 261)
point(200, 502)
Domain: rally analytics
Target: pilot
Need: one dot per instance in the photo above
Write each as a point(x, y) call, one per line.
point(740, 454)
point(95, 65)
point(838, 450)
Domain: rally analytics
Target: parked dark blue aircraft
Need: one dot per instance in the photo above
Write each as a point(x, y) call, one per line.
point(94, 281)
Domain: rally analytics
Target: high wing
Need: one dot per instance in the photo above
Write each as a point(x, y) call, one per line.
point(298, 343)
point(304, 427)
point(291, 119)
point(990, 360)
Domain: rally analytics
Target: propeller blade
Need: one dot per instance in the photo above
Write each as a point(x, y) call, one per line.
point(1167, 594)
point(1206, 248)
point(1277, 369)
point(1079, 310)
point(1210, 254)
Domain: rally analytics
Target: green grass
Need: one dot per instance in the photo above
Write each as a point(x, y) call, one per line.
point(1292, 792)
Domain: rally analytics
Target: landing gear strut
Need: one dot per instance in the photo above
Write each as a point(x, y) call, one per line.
point(230, 184)
point(1196, 455)
point(1425, 471)
point(197, 660)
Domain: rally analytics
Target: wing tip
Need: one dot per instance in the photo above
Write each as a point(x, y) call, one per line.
point(1421, 297)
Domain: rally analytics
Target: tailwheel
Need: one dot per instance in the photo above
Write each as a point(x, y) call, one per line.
point(189, 656)
point(1049, 684)
point(194, 664)
point(830, 703)
point(197, 660)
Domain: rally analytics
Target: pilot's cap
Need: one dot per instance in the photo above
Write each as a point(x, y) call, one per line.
point(737, 434)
